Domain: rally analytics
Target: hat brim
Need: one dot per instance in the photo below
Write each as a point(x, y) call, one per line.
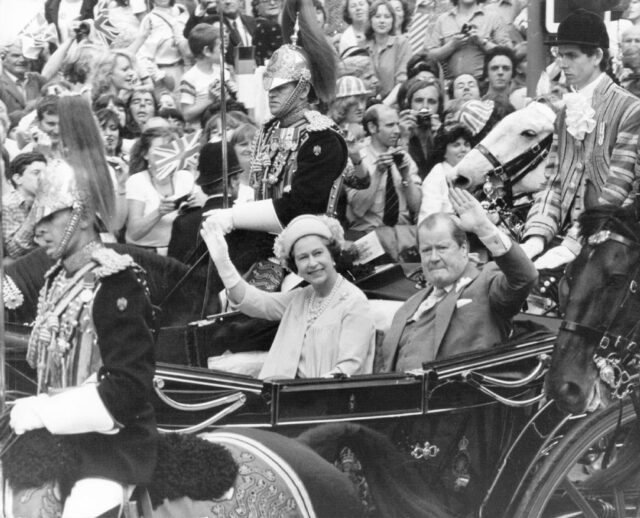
point(232, 172)
point(556, 43)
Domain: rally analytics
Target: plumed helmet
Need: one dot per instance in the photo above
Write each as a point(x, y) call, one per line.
point(57, 190)
point(582, 27)
point(308, 57)
point(287, 64)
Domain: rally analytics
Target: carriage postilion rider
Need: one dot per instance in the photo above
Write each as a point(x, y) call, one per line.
point(593, 155)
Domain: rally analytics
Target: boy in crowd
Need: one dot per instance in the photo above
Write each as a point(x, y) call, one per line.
point(200, 85)
point(17, 229)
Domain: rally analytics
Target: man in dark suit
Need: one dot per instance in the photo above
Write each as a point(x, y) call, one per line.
point(187, 245)
point(465, 308)
point(19, 88)
point(241, 27)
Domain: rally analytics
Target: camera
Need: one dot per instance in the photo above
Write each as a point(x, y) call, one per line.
point(398, 156)
point(82, 31)
point(423, 119)
point(466, 28)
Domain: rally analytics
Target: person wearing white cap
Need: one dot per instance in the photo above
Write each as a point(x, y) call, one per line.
point(326, 328)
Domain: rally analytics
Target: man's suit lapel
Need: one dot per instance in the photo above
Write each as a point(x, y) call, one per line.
point(10, 88)
point(392, 341)
point(446, 307)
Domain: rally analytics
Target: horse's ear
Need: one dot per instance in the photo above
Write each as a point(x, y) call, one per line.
point(546, 100)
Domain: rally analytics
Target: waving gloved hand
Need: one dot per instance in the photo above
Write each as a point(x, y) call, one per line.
point(555, 257)
point(222, 217)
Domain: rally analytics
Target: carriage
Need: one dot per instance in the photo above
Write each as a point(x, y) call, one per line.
point(543, 461)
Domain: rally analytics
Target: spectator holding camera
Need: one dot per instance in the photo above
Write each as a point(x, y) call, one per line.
point(393, 197)
point(462, 36)
point(420, 118)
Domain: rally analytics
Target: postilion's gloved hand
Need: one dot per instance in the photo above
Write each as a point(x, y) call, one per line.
point(554, 258)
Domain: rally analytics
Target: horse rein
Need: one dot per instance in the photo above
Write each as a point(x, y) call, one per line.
point(516, 168)
point(614, 352)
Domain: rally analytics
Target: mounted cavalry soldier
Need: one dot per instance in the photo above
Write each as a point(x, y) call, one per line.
point(91, 343)
point(299, 153)
point(593, 155)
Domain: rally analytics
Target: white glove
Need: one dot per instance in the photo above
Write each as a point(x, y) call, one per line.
point(25, 415)
point(214, 238)
point(555, 257)
point(223, 217)
point(533, 246)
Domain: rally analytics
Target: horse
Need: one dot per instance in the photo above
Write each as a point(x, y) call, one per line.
point(240, 472)
point(509, 162)
point(596, 354)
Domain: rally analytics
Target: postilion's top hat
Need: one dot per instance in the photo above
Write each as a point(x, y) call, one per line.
point(210, 163)
point(581, 27)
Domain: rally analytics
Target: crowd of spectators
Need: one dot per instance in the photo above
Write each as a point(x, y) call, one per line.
point(417, 91)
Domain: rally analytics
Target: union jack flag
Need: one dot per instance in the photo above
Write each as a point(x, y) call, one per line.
point(39, 31)
point(104, 28)
point(178, 154)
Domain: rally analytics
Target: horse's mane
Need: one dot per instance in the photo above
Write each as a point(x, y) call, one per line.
point(609, 217)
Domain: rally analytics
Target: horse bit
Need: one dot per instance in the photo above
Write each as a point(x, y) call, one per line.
point(614, 353)
point(500, 194)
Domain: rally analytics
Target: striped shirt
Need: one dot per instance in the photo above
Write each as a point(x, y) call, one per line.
point(605, 160)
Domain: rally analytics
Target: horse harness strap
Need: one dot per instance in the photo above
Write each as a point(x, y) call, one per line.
point(614, 352)
point(521, 164)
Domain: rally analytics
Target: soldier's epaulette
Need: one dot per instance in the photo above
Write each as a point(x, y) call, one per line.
point(110, 262)
point(318, 122)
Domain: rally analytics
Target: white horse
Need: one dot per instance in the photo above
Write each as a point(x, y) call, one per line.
point(511, 152)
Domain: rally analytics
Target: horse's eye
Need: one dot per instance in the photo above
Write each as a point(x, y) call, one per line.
point(528, 133)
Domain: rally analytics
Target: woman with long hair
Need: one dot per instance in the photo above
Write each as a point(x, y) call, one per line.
point(154, 195)
point(114, 72)
point(326, 328)
point(356, 16)
point(141, 106)
point(389, 52)
point(242, 141)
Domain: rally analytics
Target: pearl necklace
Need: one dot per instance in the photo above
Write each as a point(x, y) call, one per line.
point(316, 308)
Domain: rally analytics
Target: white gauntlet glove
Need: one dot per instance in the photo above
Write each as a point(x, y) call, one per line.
point(25, 415)
point(555, 257)
point(533, 246)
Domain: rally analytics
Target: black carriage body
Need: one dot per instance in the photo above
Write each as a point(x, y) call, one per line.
point(190, 397)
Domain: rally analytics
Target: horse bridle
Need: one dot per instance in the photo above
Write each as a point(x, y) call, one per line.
point(614, 351)
point(516, 168)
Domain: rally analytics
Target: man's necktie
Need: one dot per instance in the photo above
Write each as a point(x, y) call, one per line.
point(436, 295)
point(391, 202)
point(236, 33)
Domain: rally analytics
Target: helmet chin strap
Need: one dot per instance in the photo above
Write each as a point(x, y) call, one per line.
point(71, 228)
point(290, 105)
